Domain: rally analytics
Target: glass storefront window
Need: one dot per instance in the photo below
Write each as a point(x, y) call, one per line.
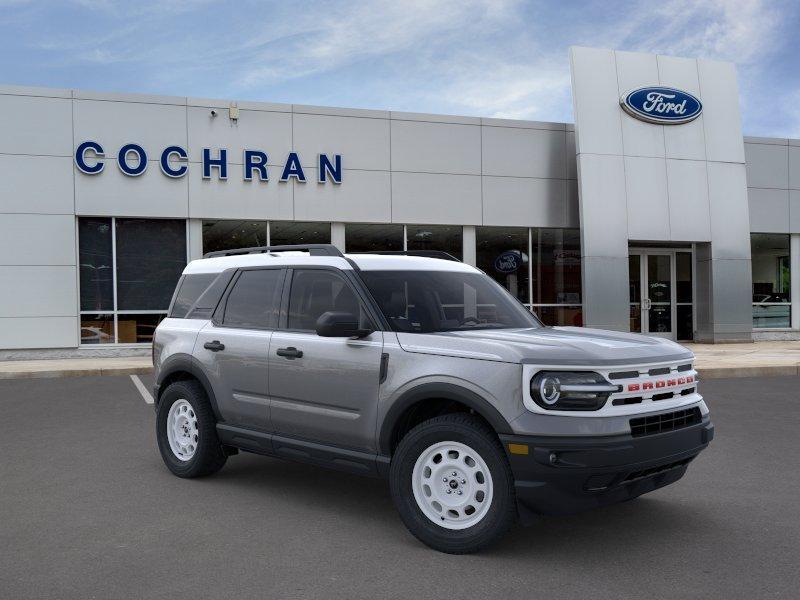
point(150, 257)
point(549, 281)
point(560, 315)
point(683, 294)
point(129, 268)
point(137, 328)
point(502, 253)
point(229, 235)
point(96, 264)
point(282, 233)
point(448, 238)
point(771, 280)
point(369, 238)
point(556, 266)
point(97, 328)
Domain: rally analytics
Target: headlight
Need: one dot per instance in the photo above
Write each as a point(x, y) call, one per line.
point(565, 390)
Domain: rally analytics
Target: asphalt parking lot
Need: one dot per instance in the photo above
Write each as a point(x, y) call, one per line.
point(87, 510)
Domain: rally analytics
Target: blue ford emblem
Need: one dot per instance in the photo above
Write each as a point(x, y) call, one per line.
point(663, 105)
point(507, 262)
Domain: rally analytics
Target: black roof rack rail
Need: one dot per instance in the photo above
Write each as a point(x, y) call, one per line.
point(312, 249)
point(426, 253)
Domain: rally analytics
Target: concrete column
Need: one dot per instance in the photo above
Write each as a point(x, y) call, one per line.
point(337, 235)
point(194, 232)
point(469, 245)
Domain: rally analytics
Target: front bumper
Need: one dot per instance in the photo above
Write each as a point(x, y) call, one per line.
point(565, 475)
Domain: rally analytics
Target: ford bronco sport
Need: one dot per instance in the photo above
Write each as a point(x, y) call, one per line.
point(423, 370)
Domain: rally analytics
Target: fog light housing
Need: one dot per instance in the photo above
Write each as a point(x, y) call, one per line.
point(571, 390)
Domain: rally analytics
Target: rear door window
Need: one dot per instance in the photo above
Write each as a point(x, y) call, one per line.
point(253, 300)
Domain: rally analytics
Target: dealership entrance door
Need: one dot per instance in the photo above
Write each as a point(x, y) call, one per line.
point(661, 292)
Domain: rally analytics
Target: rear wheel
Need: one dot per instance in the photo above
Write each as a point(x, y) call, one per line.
point(452, 484)
point(186, 431)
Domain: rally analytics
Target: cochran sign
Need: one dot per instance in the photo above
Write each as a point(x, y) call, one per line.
point(132, 161)
point(662, 105)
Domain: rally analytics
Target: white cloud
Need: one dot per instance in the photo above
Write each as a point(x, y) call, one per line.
point(357, 31)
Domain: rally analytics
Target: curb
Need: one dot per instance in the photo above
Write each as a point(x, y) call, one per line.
point(56, 373)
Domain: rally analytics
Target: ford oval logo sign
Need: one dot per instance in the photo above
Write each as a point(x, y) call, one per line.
point(662, 105)
point(507, 262)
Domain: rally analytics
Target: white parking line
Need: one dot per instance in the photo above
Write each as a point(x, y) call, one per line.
point(142, 390)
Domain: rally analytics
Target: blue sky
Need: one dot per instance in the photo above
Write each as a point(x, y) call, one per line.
point(501, 58)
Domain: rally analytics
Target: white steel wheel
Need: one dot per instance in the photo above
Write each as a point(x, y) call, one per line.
point(182, 432)
point(452, 485)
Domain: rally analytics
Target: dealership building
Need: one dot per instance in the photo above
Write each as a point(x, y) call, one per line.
point(651, 213)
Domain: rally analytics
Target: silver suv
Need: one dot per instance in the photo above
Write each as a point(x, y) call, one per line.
point(421, 369)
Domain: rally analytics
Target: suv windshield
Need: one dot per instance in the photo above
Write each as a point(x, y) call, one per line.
point(437, 301)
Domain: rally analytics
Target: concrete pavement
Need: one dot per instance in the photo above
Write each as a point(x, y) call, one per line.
point(89, 511)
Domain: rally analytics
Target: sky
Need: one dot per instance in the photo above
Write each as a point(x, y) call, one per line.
point(488, 58)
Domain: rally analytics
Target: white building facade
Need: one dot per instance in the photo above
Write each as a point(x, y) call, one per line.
point(690, 230)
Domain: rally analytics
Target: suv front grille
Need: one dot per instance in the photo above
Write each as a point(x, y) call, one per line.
point(664, 422)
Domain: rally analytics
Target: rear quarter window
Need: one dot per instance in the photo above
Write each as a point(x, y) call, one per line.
point(189, 290)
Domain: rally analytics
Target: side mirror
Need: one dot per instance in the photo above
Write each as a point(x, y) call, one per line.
point(340, 324)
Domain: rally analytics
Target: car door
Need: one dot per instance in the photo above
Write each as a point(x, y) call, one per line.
point(323, 389)
point(233, 349)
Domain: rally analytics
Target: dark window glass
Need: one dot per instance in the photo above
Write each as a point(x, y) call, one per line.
point(437, 237)
point(253, 302)
point(316, 291)
point(769, 254)
point(435, 301)
point(683, 276)
point(369, 238)
point(282, 233)
point(137, 329)
point(685, 329)
point(502, 253)
point(556, 266)
point(191, 288)
point(151, 254)
point(229, 235)
point(96, 264)
point(97, 329)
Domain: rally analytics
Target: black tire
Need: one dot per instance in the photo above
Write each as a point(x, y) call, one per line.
point(473, 432)
point(208, 457)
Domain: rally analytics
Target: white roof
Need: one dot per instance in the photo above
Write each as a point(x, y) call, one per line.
point(398, 262)
point(365, 262)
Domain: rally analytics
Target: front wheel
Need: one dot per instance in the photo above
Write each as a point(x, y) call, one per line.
point(186, 431)
point(452, 484)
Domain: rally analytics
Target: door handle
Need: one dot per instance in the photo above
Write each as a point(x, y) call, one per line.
point(214, 346)
point(290, 352)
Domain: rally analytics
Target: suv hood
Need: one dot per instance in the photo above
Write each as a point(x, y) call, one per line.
point(548, 346)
